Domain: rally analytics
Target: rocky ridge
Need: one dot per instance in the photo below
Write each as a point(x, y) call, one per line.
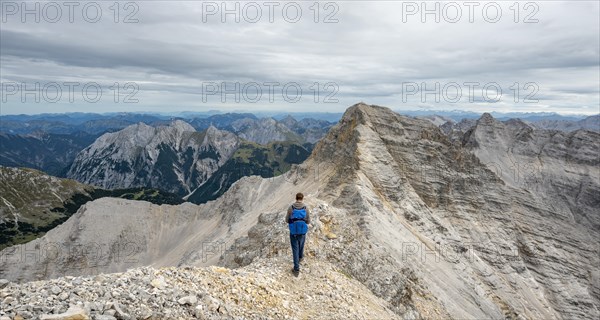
point(419, 220)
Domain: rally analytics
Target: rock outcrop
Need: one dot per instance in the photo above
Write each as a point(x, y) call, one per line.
point(174, 158)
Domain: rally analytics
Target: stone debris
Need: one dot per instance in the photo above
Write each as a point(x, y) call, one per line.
point(263, 290)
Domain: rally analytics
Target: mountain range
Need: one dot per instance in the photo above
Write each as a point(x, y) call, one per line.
point(51, 142)
point(178, 159)
point(501, 222)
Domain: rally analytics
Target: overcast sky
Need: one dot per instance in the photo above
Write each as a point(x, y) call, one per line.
point(178, 53)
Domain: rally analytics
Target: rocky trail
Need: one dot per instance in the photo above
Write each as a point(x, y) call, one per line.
point(265, 289)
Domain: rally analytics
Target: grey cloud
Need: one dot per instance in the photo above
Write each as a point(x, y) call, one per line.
point(369, 53)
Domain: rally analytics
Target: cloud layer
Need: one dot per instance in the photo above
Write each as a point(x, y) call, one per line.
point(376, 52)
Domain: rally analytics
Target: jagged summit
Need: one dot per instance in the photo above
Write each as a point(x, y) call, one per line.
point(175, 158)
point(366, 122)
point(486, 118)
point(361, 111)
point(289, 121)
point(491, 123)
point(182, 126)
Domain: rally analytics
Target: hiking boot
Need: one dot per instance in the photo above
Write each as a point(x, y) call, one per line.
point(295, 272)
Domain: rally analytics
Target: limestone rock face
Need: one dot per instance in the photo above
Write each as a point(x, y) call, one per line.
point(175, 158)
point(420, 226)
point(558, 168)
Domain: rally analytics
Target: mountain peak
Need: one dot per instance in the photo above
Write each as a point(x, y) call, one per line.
point(363, 124)
point(486, 118)
point(220, 138)
point(211, 130)
point(289, 121)
point(181, 126)
point(288, 118)
point(363, 107)
point(362, 111)
point(138, 127)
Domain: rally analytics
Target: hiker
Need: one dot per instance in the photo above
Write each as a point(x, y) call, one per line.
point(298, 218)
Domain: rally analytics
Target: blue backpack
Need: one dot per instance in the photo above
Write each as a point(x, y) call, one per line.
point(297, 221)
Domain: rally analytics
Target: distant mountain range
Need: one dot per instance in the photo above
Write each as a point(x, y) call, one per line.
point(94, 123)
point(50, 142)
point(90, 123)
point(458, 115)
point(198, 157)
point(591, 123)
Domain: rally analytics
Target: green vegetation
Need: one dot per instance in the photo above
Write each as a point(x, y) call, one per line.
point(41, 202)
point(249, 159)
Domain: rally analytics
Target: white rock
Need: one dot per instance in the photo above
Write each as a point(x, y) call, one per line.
point(189, 300)
point(73, 313)
point(56, 290)
point(159, 283)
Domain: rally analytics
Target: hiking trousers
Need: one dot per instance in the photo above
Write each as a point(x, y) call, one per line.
point(297, 241)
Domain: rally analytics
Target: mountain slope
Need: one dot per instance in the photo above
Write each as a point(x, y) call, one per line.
point(51, 153)
point(410, 173)
point(436, 119)
point(420, 221)
point(249, 159)
point(558, 168)
point(31, 202)
point(174, 158)
point(263, 131)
